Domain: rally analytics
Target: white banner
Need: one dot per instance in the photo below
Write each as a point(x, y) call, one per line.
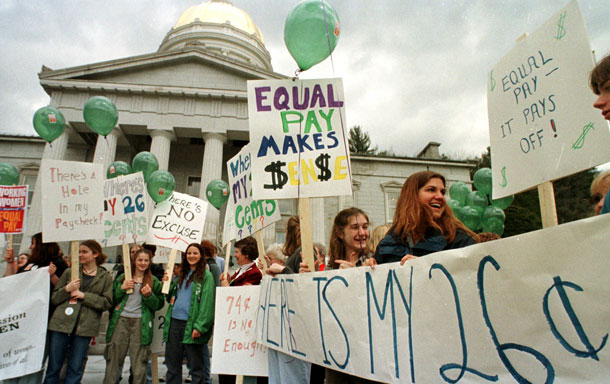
point(244, 215)
point(24, 308)
point(235, 350)
point(73, 200)
point(297, 139)
point(125, 210)
point(177, 222)
point(541, 108)
point(530, 308)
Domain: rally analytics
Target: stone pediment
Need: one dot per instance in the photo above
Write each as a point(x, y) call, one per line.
point(191, 70)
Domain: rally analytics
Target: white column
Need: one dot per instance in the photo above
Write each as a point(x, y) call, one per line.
point(211, 170)
point(105, 149)
point(269, 235)
point(318, 219)
point(160, 146)
point(54, 151)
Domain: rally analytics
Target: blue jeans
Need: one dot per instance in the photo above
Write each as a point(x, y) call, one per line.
point(284, 368)
point(58, 345)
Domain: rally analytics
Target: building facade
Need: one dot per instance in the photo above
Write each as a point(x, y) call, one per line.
point(187, 104)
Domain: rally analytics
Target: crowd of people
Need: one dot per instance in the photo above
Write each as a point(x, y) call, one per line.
point(423, 224)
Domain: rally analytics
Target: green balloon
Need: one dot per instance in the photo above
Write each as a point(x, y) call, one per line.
point(160, 185)
point(493, 225)
point(9, 174)
point(454, 205)
point(100, 115)
point(311, 32)
point(504, 202)
point(49, 123)
point(118, 168)
point(217, 193)
point(477, 199)
point(459, 191)
point(471, 217)
point(494, 212)
point(482, 180)
point(145, 162)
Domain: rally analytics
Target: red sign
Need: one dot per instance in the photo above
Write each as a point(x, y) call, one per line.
point(13, 203)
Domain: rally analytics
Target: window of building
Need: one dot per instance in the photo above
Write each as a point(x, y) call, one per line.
point(391, 191)
point(193, 185)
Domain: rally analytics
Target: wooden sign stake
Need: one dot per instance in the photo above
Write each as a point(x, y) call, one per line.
point(170, 271)
point(227, 257)
point(155, 368)
point(306, 232)
point(548, 211)
point(74, 246)
point(127, 265)
point(261, 249)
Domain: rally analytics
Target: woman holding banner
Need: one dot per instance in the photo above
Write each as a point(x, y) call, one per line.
point(423, 223)
point(190, 317)
point(80, 304)
point(130, 325)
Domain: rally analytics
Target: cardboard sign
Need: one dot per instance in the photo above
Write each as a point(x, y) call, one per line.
point(542, 124)
point(177, 222)
point(297, 138)
point(530, 308)
point(235, 349)
point(125, 210)
point(13, 206)
point(244, 214)
point(158, 345)
point(73, 200)
point(23, 322)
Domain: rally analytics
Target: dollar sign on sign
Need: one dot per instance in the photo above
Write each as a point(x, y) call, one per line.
point(322, 164)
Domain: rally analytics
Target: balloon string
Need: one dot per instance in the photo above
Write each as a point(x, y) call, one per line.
point(300, 134)
point(332, 63)
point(330, 51)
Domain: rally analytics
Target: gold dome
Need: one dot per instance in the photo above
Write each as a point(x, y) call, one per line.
point(220, 12)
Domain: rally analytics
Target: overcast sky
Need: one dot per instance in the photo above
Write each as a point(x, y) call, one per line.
point(413, 71)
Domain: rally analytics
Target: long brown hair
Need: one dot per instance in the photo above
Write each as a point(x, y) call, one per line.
point(199, 273)
point(293, 235)
point(95, 247)
point(43, 253)
point(336, 249)
point(413, 219)
point(147, 279)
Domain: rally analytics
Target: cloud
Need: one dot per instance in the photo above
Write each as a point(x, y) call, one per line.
point(413, 72)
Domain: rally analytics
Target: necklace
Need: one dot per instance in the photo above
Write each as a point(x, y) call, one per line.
point(89, 272)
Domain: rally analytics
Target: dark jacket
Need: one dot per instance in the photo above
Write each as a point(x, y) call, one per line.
point(392, 248)
point(150, 304)
point(88, 311)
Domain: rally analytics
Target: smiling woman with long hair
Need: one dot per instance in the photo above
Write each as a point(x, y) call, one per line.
point(423, 223)
point(190, 317)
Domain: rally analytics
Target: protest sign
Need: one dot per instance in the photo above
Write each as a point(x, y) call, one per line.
point(177, 222)
point(158, 345)
point(13, 205)
point(541, 108)
point(297, 139)
point(73, 200)
point(125, 210)
point(24, 308)
point(235, 349)
point(244, 214)
point(530, 308)
point(162, 255)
